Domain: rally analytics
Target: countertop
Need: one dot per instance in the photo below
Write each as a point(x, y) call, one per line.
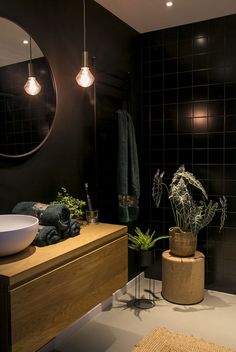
point(19, 268)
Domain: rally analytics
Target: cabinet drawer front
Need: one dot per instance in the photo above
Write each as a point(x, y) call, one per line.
point(46, 305)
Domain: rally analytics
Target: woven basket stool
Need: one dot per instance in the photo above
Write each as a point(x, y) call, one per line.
point(183, 278)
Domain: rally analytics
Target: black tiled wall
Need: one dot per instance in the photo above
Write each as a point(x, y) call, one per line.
point(189, 117)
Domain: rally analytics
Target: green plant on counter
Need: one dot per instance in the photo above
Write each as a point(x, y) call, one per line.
point(189, 214)
point(143, 240)
point(75, 205)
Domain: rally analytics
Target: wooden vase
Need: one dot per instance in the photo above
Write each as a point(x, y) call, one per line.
point(182, 244)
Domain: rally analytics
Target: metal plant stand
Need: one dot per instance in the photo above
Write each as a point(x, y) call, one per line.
point(142, 302)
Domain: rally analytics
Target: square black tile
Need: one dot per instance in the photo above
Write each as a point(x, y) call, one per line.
point(230, 140)
point(216, 41)
point(185, 79)
point(157, 97)
point(170, 50)
point(200, 109)
point(216, 156)
point(200, 44)
point(200, 93)
point(156, 68)
point(200, 156)
point(157, 141)
point(145, 70)
point(216, 91)
point(145, 55)
point(185, 63)
point(216, 108)
point(185, 94)
point(230, 156)
point(230, 91)
point(185, 47)
point(199, 124)
point(200, 61)
point(171, 141)
point(155, 38)
point(200, 140)
point(216, 140)
point(185, 156)
point(156, 127)
point(157, 112)
point(170, 81)
point(230, 107)
point(215, 124)
point(216, 75)
point(185, 124)
point(186, 141)
point(156, 82)
point(230, 123)
point(170, 66)
point(216, 59)
point(170, 96)
point(170, 111)
point(156, 53)
point(200, 77)
point(185, 110)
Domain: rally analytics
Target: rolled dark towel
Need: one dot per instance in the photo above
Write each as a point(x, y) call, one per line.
point(73, 230)
point(46, 235)
point(57, 215)
point(25, 208)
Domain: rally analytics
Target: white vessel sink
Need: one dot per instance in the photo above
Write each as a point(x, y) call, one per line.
point(16, 232)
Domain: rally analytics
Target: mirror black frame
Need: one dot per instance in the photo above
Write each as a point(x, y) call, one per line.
point(17, 107)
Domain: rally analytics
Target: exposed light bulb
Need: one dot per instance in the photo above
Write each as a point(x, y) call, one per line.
point(169, 3)
point(85, 77)
point(32, 87)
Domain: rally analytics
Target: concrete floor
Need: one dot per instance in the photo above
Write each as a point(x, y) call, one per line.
point(117, 325)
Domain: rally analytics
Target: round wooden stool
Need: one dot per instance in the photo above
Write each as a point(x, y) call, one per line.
point(183, 278)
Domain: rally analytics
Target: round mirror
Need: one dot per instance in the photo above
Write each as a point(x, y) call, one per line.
point(25, 118)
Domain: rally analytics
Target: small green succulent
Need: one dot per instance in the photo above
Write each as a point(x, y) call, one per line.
point(143, 241)
point(74, 204)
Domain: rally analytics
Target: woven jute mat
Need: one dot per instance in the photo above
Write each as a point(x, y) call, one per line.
point(163, 340)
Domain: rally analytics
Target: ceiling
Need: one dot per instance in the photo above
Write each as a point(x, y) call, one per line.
point(150, 15)
point(12, 49)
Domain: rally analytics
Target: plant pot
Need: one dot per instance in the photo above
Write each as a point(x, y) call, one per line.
point(182, 244)
point(146, 258)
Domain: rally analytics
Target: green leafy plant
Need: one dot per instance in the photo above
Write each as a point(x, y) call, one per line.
point(143, 240)
point(75, 205)
point(189, 214)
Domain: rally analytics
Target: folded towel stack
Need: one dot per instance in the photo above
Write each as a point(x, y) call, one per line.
point(54, 220)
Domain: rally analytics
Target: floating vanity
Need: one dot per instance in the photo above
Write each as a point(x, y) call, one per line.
point(45, 289)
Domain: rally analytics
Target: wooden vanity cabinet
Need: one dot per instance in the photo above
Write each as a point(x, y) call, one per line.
point(44, 290)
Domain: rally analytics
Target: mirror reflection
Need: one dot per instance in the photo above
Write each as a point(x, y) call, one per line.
point(25, 120)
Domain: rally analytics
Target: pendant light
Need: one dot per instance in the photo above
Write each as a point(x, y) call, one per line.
point(84, 78)
point(32, 87)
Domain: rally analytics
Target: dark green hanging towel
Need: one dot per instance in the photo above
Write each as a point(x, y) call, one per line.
point(128, 183)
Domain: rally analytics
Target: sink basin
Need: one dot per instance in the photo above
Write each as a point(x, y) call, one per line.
point(16, 232)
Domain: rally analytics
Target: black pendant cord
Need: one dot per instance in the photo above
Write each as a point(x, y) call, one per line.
point(95, 128)
point(84, 23)
point(30, 68)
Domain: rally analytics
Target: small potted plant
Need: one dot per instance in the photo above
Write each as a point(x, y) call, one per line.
point(75, 205)
point(144, 242)
point(190, 215)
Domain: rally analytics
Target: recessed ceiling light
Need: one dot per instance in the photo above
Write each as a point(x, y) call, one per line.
point(25, 41)
point(169, 3)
